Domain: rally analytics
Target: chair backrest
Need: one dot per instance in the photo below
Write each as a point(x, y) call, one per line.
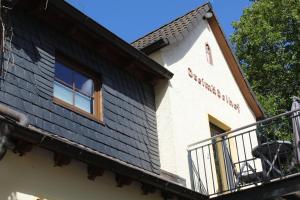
point(296, 127)
point(231, 169)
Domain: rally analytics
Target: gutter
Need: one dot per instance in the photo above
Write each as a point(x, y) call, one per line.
point(159, 44)
point(20, 119)
point(89, 156)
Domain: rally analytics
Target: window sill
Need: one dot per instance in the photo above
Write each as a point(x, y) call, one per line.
point(78, 111)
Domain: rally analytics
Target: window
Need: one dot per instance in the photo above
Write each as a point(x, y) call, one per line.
point(77, 89)
point(208, 54)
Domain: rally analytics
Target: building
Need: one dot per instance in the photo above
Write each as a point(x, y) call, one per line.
point(208, 91)
point(207, 116)
point(85, 115)
point(88, 110)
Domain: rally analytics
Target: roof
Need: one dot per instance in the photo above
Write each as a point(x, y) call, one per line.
point(79, 21)
point(177, 29)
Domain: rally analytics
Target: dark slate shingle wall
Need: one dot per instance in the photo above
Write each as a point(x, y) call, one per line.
point(129, 133)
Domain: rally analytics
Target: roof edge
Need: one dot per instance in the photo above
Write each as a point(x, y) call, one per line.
point(205, 6)
point(97, 29)
point(54, 143)
point(234, 66)
point(207, 3)
point(157, 45)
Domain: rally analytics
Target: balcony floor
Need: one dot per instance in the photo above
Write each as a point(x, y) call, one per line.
point(283, 187)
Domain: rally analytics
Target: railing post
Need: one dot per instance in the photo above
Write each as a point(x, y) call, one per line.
point(191, 170)
point(259, 138)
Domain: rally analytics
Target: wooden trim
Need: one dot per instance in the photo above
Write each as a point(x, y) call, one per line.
point(222, 180)
point(97, 114)
point(218, 123)
point(99, 102)
point(235, 68)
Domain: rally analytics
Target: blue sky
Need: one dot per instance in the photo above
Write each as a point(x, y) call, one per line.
point(131, 19)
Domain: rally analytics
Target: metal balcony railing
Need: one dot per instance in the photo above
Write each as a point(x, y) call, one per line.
point(245, 157)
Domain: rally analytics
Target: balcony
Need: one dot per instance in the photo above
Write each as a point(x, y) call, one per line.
point(252, 156)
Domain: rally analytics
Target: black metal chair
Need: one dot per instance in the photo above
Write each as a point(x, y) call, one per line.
point(247, 174)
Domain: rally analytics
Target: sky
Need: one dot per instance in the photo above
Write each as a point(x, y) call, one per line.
point(132, 19)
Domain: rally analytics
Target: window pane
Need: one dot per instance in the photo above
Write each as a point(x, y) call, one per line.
point(83, 102)
point(63, 73)
point(62, 92)
point(83, 84)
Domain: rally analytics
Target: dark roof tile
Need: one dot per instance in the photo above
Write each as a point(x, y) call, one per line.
point(175, 29)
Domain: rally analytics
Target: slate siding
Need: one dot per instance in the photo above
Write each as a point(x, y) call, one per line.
point(130, 131)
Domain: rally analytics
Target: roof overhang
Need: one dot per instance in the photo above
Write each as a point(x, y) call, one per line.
point(71, 22)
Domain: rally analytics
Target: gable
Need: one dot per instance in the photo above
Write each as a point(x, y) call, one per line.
point(184, 26)
point(196, 80)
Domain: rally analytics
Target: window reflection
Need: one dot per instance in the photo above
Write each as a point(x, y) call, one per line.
point(62, 92)
point(83, 102)
point(73, 88)
point(63, 73)
point(83, 84)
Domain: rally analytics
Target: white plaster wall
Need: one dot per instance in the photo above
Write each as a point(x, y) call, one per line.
point(183, 105)
point(33, 177)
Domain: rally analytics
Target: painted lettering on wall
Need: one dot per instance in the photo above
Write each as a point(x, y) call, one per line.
point(211, 88)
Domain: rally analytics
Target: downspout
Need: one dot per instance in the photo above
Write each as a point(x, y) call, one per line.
point(20, 118)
